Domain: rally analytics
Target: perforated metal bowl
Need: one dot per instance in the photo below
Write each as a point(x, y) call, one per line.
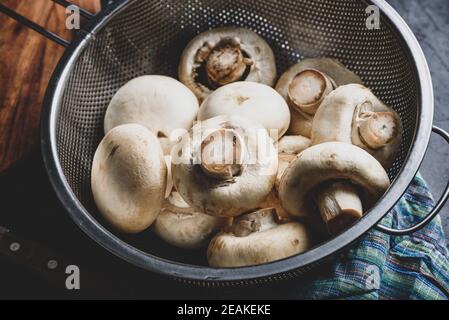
point(139, 37)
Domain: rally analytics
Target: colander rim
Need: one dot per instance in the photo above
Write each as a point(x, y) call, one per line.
point(207, 274)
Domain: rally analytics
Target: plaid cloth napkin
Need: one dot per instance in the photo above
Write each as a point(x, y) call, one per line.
point(384, 267)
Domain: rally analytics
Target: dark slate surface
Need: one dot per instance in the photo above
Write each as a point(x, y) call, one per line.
point(429, 20)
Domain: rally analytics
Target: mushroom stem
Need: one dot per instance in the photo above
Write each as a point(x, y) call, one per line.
point(308, 89)
point(261, 220)
point(339, 205)
point(378, 129)
point(224, 62)
point(222, 154)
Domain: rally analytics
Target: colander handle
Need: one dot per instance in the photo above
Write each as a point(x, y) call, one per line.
point(34, 26)
point(432, 214)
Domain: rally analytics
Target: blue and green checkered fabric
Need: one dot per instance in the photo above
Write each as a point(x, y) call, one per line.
point(385, 267)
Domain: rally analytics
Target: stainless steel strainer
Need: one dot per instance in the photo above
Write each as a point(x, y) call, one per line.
point(137, 37)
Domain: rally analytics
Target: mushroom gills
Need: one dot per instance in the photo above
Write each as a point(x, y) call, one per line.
point(339, 205)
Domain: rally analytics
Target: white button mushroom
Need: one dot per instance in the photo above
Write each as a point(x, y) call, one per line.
point(257, 238)
point(159, 103)
point(252, 100)
point(225, 167)
point(353, 114)
point(305, 85)
point(179, 225)
point(129, 178)
point(333, 177)
point(225, 55)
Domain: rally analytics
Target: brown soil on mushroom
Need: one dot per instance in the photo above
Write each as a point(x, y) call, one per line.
point(241, 100)
point(113, 151)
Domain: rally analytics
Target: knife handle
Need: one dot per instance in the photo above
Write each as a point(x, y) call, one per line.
point(36, 258)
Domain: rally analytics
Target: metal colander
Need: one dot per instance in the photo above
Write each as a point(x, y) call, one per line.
point(138, 37)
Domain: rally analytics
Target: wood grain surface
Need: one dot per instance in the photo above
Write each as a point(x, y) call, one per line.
point(27, 61)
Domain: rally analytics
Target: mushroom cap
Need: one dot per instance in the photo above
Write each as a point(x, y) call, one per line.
point(264, 242)
point(161, 104)
point(336, 120)
point(338, 74)
point(329, 162)
point(300, 124)
point(332, 68)
point(129, 178)
point(251, 100)
point(293, 144)
point(263, 69)
point(225, 198)
point(179, 225)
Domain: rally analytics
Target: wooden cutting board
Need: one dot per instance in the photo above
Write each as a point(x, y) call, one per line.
point(27, 61)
